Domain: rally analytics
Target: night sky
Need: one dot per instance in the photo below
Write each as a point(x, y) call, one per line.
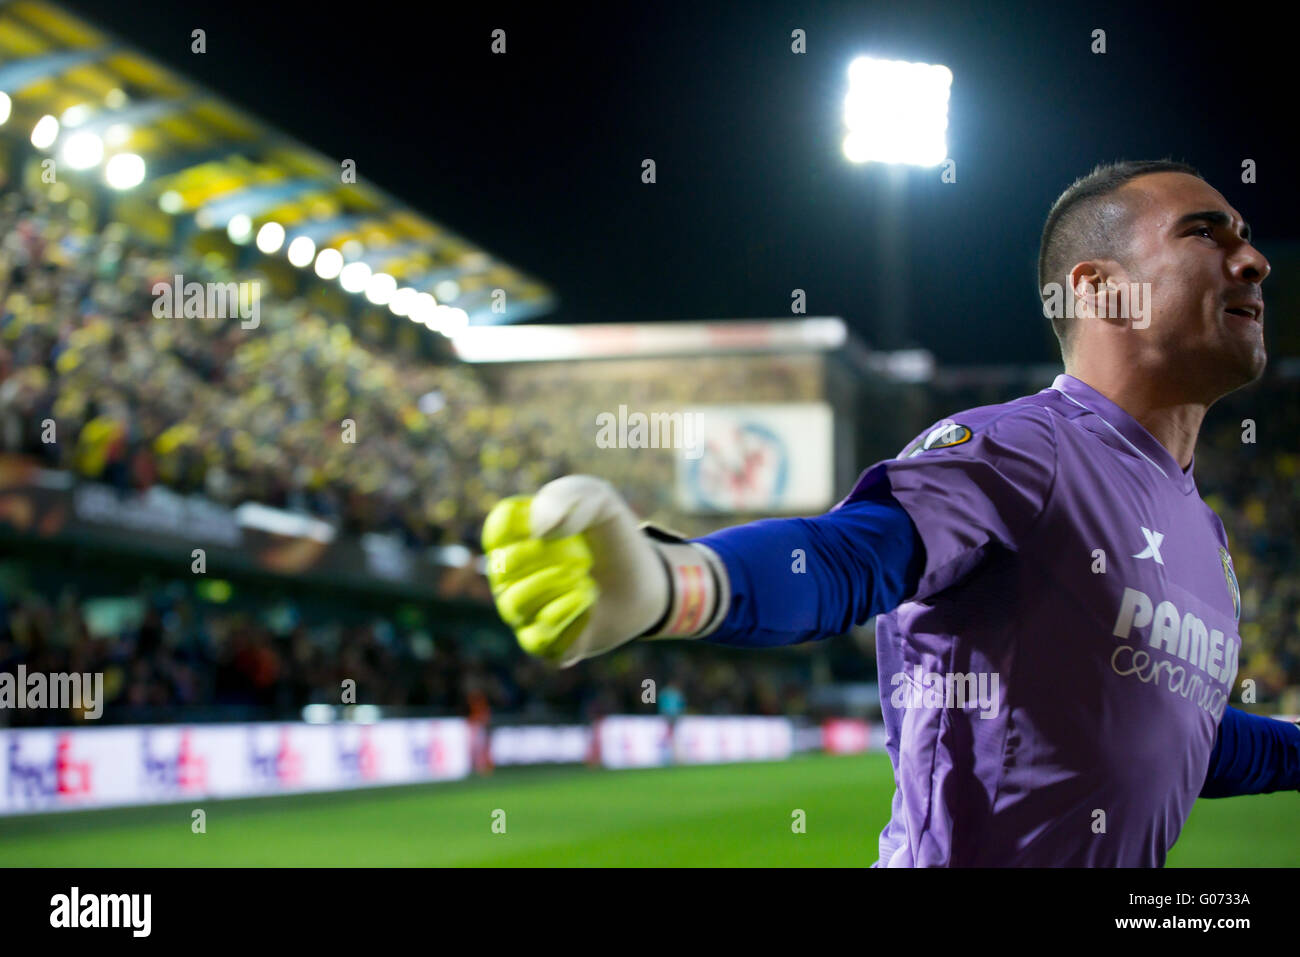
point(536, 155)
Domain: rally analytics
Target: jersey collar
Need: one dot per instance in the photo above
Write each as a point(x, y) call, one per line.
point(1129, 429)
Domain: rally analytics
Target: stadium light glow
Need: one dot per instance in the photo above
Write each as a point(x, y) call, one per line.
point(45, 132)
point(450, 321)
point(75, 115)
point(240, 229)
point(402, 302)
point(302, 251)
point(380, 288)
point(6, 107)
point(424, 310)
point(124, 171)
point(446, 290)
point(352, 249)
point(115, 99)
point(117, 134)
point(329, 263)
point(270, 237)
point(897, 112)
point(354, 276)
point(83, 150)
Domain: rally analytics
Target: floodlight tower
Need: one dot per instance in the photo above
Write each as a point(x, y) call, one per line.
point(896, 116)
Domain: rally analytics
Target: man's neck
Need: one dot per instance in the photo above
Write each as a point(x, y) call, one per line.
point(1174, 421)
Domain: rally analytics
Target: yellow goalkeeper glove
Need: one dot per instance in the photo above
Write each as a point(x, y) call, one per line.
point(575, 576)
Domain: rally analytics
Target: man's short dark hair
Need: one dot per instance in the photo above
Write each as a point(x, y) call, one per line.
point(1088, 222)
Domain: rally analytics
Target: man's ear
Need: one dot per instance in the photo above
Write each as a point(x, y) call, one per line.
point(1092, 285)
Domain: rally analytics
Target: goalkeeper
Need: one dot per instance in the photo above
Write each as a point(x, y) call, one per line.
point(1055, 544)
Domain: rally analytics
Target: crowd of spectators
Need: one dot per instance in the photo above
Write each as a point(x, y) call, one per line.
point(238, 414)
point(205, 405)
point(1247, 468)
point(175, 658)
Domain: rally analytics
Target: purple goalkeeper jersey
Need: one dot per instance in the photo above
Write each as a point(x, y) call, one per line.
point(1052, 689)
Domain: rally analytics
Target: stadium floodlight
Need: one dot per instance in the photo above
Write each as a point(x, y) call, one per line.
point(6, 107)
point(83, 150)
point(329, 263)
point(380, 288)
point(117, 134)
point(451, 321)
point(124, 171)
point(897, 112)
point(354, 276)
point(115, 98)
point(45, 132)
point(403, 301)
point(352, 249)
point(302, 251)
point(240, 228)
point(270, 237)
point(75, 115)
point(171, 202)
point(446, 290)
point(425, 310)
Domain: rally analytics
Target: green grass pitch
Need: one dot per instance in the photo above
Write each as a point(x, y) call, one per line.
point(734, 815)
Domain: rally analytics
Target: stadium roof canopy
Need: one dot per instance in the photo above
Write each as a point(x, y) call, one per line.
point(207, 164)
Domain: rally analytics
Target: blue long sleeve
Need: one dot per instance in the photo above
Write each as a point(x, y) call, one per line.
point(801, 579)
point(1252, 755)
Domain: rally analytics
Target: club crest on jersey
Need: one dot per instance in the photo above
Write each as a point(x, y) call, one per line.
point(1231, 577)
point(943, 436)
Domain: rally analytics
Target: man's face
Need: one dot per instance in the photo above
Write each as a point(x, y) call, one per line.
point(1206, 306)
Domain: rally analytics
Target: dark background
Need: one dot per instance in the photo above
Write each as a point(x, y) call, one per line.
point(536, 155)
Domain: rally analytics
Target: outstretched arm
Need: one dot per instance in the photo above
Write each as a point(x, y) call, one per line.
point(1253, 754)
point(575, 576)
point(803, 579)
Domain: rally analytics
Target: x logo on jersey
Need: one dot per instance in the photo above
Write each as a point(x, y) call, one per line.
point(1153, 546)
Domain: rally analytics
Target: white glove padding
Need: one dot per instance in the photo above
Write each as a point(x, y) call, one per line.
point(666, 586)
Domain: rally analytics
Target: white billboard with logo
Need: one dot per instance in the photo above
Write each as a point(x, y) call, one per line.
point(66, 769)
point(764, 458)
